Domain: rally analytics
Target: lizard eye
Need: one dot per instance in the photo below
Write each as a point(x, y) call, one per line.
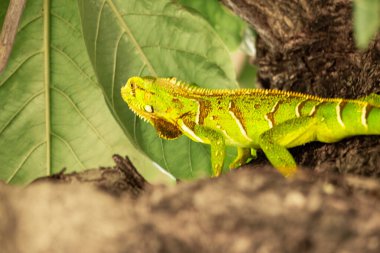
point(148, 108)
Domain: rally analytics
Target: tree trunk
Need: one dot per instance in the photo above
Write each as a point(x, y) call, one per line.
point(308, 46)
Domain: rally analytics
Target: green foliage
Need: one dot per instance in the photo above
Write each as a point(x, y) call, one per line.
point(68, 65)
point(3, 9)
point(247, 77)
point(52, 112)
point(229, 26)
point(366, 21)
point(156, 38)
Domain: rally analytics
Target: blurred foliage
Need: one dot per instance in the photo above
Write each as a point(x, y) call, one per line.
point(229, 26)
point(366, 21)
point(247, 76)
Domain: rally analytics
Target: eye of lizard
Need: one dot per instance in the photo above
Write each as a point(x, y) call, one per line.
point(148, 108)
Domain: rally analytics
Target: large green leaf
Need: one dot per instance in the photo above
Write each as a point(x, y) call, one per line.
point(229, 26)
point(157, 38)
point(52, 112)
point(366, 21)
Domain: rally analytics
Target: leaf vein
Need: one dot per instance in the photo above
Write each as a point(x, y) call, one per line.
point(129, 33)
point(97, 31)
point(70, 148)
point(205, 58)
point(16, 68)
point(24, 160)
point(58, 17)
point(89, 123)
point(164, 156)
point(26, 24)
point(204, 25)
point(114, 70)
point(47, 81)
point(19, 110)
point(189, 157)
point(74, 63)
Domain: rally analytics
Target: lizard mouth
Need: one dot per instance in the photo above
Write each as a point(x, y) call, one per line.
point(141, 114)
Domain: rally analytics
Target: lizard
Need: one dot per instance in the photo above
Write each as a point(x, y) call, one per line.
point(249, 119)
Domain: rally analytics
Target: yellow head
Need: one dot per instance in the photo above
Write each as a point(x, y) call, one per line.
point(155, 100)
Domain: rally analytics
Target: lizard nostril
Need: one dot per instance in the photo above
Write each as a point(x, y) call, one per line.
point(133, 87)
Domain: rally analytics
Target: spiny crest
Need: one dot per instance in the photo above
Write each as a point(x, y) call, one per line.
point(185, 89)
point(172, 81)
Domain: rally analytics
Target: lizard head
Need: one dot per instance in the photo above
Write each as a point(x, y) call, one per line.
point(150, 98)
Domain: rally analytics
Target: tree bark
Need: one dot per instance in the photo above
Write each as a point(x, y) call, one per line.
point(9, 30)
point(308, 46)
point(244, 211)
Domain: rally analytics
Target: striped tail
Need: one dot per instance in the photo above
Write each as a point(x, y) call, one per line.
point(362, 117)
point(371, 118)
point(341, 118)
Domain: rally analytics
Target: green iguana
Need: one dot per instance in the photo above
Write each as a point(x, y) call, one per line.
point(249, 119)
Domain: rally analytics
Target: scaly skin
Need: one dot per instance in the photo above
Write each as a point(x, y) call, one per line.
point(249, 119)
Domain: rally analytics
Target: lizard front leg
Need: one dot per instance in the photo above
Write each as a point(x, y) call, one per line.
point(218, 147)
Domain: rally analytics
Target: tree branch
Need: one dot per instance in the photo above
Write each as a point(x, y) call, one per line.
point(9, 30)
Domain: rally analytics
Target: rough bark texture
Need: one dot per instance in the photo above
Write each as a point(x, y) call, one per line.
point(308, 46)
point(120, 179)
point(244, 211)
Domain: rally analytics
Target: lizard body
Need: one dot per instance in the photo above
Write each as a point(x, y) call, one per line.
point(249, 119)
